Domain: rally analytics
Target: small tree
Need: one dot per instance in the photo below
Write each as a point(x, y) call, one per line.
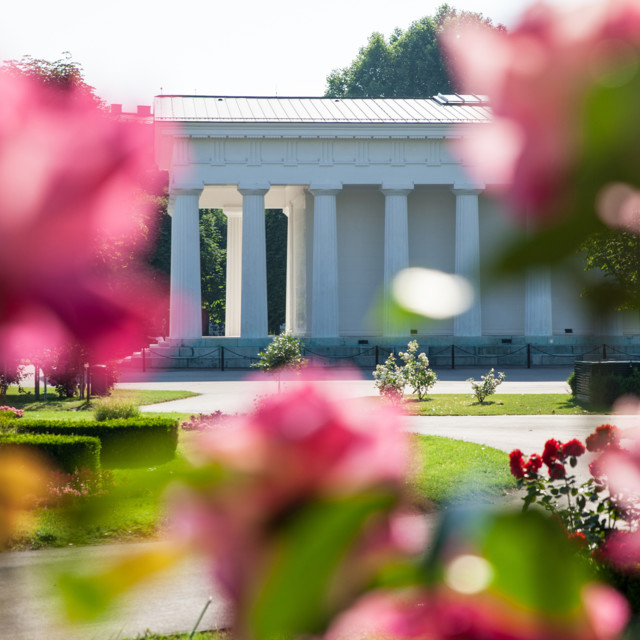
point(10, 373)
point(389, 380)
point(284, 353)
point(487, 386)
point(416, 370)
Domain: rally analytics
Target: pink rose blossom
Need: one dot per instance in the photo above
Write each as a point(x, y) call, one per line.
point(442, 614)
point(536, 77)
point(300, 448)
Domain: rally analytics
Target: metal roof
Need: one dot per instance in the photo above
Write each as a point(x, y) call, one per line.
point(451, 109)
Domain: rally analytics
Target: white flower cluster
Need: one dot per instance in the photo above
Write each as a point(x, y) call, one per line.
point(391, 378)
point(416, 370)
point(487, 386)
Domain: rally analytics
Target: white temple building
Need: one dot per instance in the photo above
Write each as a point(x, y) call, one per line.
point(370, 186)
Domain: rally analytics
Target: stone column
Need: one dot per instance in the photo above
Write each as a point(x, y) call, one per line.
point(234, 271)
point(253, 322)
point(185, 317)
point(396, 249)
point(298, 282)
point(290, 276)
point(324, 309)
point(537, 302)
point(467, 257)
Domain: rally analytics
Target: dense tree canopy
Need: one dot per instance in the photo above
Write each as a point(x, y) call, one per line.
point(64, 74)
point(617, 255)
point(409, 65)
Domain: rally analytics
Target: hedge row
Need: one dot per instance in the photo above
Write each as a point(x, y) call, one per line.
point(68, 453)
point(606, 389)
point(126, 443)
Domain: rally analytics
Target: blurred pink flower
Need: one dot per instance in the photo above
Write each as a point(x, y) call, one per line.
point(536, 77)
point(442, 614)
point(300, 448)
point(69, 176)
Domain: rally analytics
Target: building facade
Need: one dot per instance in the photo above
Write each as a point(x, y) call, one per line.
point(370, 187)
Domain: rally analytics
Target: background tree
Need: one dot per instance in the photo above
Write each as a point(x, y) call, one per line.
point(213, 262)
point(276, 237)
point(409, 65)
point(617, 255)
point(64, 74)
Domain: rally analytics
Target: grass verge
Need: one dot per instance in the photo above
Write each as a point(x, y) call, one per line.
point(200, 635)
point(463, 404)
point(55, 408)
point(447, 472)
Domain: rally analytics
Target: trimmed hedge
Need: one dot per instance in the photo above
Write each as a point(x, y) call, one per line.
point(68, 453)
point(139, 442)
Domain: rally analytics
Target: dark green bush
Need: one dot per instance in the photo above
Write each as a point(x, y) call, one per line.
point(69, 453)
point(139, 442)
point(606, 389)
point(571, 381)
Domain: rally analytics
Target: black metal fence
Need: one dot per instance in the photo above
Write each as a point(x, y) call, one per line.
point(450, 356)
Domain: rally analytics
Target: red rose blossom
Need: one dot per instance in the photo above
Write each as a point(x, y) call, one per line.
point(579, 538)
point(604, 437)
point(573, 448)
point(557, 471)
point(533, 464)
point(516, 463)
point(552, 450)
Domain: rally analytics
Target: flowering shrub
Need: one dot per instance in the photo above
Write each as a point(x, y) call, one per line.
point(416, 370)
point(11, 412)
point(487, 386)
point(283, 352)
point(62, 487)
point(7, 416)
point(202, 421)
point(592, 511)
point(390, 380)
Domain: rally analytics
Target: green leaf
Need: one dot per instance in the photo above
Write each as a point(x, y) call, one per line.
point(523, 550)
point(294, 598)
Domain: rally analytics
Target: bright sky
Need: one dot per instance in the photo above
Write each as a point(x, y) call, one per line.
point(132, 50)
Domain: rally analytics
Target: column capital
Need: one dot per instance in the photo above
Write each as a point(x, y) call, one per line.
point(232, 210)
point(468, 189)
point(325, 189)
point(191, 190)
point(253, 189)
point(400, 189)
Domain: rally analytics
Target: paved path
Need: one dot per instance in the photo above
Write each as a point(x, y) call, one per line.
point(173, 602)
point(234, 391)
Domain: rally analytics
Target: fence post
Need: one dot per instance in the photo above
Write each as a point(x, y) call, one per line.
point(221, 358)
point(604, 351)
point(453, 356)
point(528, 356)
point(377, 356)
point(144, 359)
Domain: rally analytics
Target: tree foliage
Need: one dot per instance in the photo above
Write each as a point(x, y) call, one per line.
point(63, 74)
point(617, 255)
point(276, 238)
point(409, 65)
point(213, 262)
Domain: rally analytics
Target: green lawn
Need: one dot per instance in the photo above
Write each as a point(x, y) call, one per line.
point(445, 471)
point(55, 408)
point(450, 471)
point(463, 404)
